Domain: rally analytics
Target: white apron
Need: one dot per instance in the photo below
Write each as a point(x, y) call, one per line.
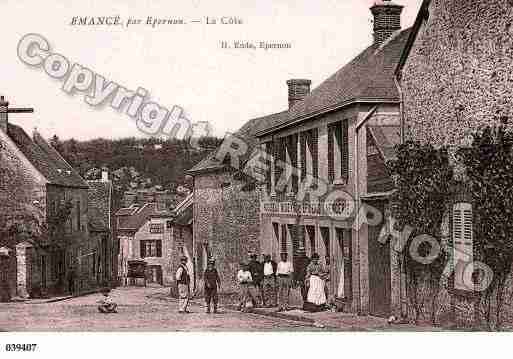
point(316, 294)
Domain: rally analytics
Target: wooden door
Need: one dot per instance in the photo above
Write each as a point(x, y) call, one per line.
point(43, 272)
point(4, 279)
point(342, 266)
point(379, 270)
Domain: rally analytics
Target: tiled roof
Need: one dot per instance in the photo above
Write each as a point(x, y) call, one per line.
point(99, 210)
point(127, 211)
point(368, 77)
point(183, 212)
point(245, 133)
point(139, 216)
point(45, 158)
point(386, 137)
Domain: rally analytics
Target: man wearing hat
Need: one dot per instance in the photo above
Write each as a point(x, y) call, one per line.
point(284, 273)
point(257, 273)
point(301, 264)
point(212, 282)
point(184, 280)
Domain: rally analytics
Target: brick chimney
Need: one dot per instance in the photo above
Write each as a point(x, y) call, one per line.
point(4, 107)
point(387, 19)
point(298, 90)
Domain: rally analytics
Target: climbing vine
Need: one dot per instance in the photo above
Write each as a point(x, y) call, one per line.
point(423, 178)
point(489, 168)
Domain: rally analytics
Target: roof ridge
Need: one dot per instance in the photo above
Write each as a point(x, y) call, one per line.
point(44, 158)
point(369, 75)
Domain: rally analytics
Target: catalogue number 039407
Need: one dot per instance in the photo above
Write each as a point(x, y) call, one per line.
point(20, 347)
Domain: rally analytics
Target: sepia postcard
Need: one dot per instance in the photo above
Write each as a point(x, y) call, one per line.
point(254, 166)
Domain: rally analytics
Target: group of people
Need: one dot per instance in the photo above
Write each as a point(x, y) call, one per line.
point(268, 283)
point(265, 284)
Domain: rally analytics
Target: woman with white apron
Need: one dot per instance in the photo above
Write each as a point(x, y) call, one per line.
point(315, 279)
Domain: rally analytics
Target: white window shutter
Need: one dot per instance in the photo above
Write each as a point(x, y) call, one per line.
point(462, 241)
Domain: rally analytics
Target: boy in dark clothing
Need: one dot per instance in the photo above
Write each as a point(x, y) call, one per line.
point(257, 274)
point(212, 282)
point(301, 264)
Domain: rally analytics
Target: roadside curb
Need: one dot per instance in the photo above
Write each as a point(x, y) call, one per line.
point(60, 299)
point(257, 311)
point(275, 314)
point(287, 316)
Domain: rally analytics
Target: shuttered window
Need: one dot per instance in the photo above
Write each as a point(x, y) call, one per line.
point(143, 249)
point(462, 235)
point(159, 249)
point(331, 154)
point(344, 144)
point(79, 222)
point(292, 162)
point(269, 152)
point(279, 159)
point(309, 153)
point(284, 238)
point(338, 151)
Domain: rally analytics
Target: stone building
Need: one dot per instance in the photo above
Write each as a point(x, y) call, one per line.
point(455, 78)
point(455, 72)
point(43, 214)
point(328, 165)
point(101, 229)
point(157, 236)
point(226, 218)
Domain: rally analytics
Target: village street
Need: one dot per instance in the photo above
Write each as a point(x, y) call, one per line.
point(137, 312)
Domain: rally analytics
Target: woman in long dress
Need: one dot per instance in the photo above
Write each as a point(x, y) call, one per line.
point(315, 280)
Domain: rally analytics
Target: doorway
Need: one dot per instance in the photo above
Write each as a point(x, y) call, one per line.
point(379, 270)
point(155, 274)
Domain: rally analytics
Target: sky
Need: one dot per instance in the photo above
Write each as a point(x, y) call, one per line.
point(181, 65)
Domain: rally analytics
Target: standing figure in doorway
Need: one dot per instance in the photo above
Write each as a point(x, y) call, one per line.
point(184, 280)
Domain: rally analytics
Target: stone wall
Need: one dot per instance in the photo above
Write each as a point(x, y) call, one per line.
point(23, 194)
point(74, 239)
point(226, 224)
point(458, 74)
point(456, 80)
point(181, 246)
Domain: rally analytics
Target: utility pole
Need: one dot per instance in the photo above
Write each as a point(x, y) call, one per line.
point(5, 111)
